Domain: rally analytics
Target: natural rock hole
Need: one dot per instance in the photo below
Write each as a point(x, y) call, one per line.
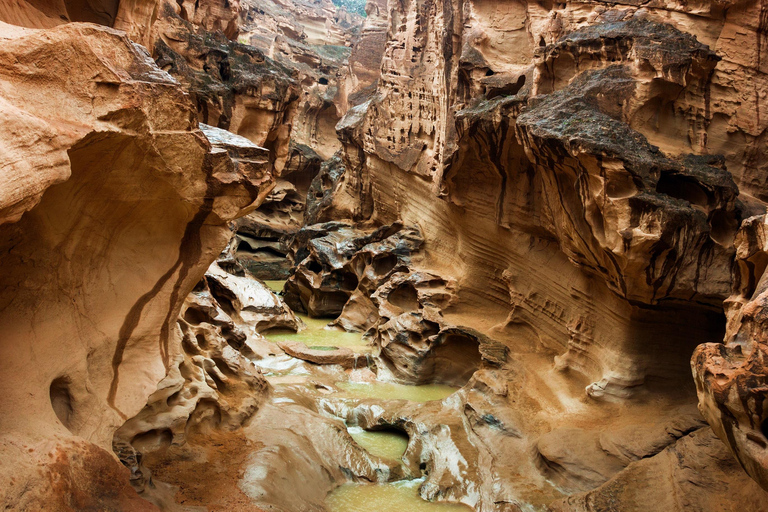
point(102, 12)
point(405, 297)
point(681, 187)
point(153, 440)
point(61, 401)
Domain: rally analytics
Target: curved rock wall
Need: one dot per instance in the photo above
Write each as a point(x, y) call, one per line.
point(542, 156)
point(114, 202)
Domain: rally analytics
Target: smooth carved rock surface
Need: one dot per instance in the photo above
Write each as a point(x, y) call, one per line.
point(513, 171)
point(114, 204)
point(673, 480)
point(398, 307)
point(314, 38)
point(344, 357)
point(547, 198)
point(136, 17)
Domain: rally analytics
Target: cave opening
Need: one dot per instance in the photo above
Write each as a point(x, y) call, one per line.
point(102, 12)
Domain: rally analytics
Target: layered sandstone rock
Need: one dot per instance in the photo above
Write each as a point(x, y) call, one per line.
point(114, 203)
point(264, 235)
point(673, 480)
point(314, 38)
point(533, 183)
point(338, 266)
point(236, 87)
point(363, 68)
point(571, 229)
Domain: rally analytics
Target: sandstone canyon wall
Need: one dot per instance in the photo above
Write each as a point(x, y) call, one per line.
point(114, 204)
point(535, 166)
point(582, 171)
point(544, 203)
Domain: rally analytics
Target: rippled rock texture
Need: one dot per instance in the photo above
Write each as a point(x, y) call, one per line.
point(315, 39)
point(541, 203)
point(536, 169)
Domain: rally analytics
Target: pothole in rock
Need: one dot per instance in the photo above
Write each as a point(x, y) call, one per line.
point(391, 497)
point(388, 443)
point(62, 402)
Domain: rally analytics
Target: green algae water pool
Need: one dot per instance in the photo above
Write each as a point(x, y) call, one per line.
point(382, 443)
point(316, 335)
point(391, 497)
point(392, 391)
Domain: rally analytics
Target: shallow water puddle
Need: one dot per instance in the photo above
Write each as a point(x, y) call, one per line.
point(391, 497)
point(275, 286)
point(392, 391)
point(382, 443)
point(316, 335)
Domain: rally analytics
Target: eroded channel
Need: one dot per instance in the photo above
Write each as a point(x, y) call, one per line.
point(368, 409)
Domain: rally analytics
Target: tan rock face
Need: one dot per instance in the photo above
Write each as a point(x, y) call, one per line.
point(219, 15)
point(314, 38)
point(364, 66)
point(211, 386)
point(556, 165)
point(673, 480)
point(136, 17)
point(114, 204)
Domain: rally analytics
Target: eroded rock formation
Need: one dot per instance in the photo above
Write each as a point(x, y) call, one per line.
point(538, 203)
point(114, 203)
point(236, 87)
point(589, 167)
point(211, 386)
point(731, 377)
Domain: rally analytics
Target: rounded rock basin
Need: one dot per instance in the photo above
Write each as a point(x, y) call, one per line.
point(388, 444)
point(316, 335)
point(392, 497)
point(392, 391)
